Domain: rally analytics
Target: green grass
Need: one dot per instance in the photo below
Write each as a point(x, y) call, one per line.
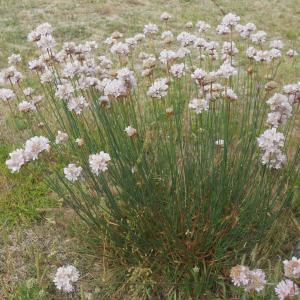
point(22, 195)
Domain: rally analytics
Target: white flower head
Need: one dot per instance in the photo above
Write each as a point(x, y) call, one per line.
point(16, 160)
point(130, 131)
point(65, 277)
point(150, 29)
point(72, 172)
point(202, 26)
point(34, 146)
point(199, 105)
point(99, 162)
point(239, 275)
point(286, 289)
point(259, 37)
point(7, 94)
point(61, 137)
point(257, 280)
point(79, 142)
point(159, 88)
point(219, 142)
point(165, 16)
point(77, 104)
point(177, 70)
point(26, 106)
point(277, 44)
point(14, 59)
point(292, 268)
point(230, 20)
point(291, 53)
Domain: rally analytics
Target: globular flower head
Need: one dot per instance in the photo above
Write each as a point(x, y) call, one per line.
point(72, 172)
point(34, 146)
point(292, 268)
point(16, 160)
point(130, 131)
point(99, 162)
point(286, 289)
point(159, 88)
point(65, 277)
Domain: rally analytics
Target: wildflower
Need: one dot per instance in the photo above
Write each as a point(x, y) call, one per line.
point(10, 75)
point(165, 16)
point(259, 37)
point(226, 70)
point(271, 143)
point(222, 29)
point(128, 77)
point(26, 106)
point(64, 278)
point(257, 280)
point(34, 146)
point(291, 53)
point(115, 88)
point(292, 268)
point(61, 137)
point(77, 104)
point(219, 142)
point(200, 43)
point(37, 65)
point(230, 94)
point(229, 48)
point(103, 101)
point(64, 91)
point(286, 289)
point(281, 107)
point(245, 30)
point(182, 52)
point(131, 42)
point(7, 94)
point(167, 37)
point(274, 53)
point(196, 269)
point(79, 142)
point(199, 105)
point(14, 59)
point(98, 162)
point(202, 26)
point(41, 30)
point(150, 29)
point(177, 70)
point(130, 131)
point(28, 91)
point(46, 42)
point(159, 88)
point(189, 25)
point(251, 52)
point(139, 37)
point(230, 20)
point(199, 75)
point(120, 49)
point(186, 38)
point(277, 44)
point(239, 275)
point(72, 172)
point(16, 161)
point(167, 56)
point(262, 56)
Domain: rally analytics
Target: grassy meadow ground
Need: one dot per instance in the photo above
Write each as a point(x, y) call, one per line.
point(37, 232)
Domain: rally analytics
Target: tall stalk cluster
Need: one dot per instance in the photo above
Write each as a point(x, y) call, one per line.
point(178, 147)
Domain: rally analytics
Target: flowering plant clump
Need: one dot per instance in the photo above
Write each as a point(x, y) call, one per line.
point(181, 156)
point(255, 280)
